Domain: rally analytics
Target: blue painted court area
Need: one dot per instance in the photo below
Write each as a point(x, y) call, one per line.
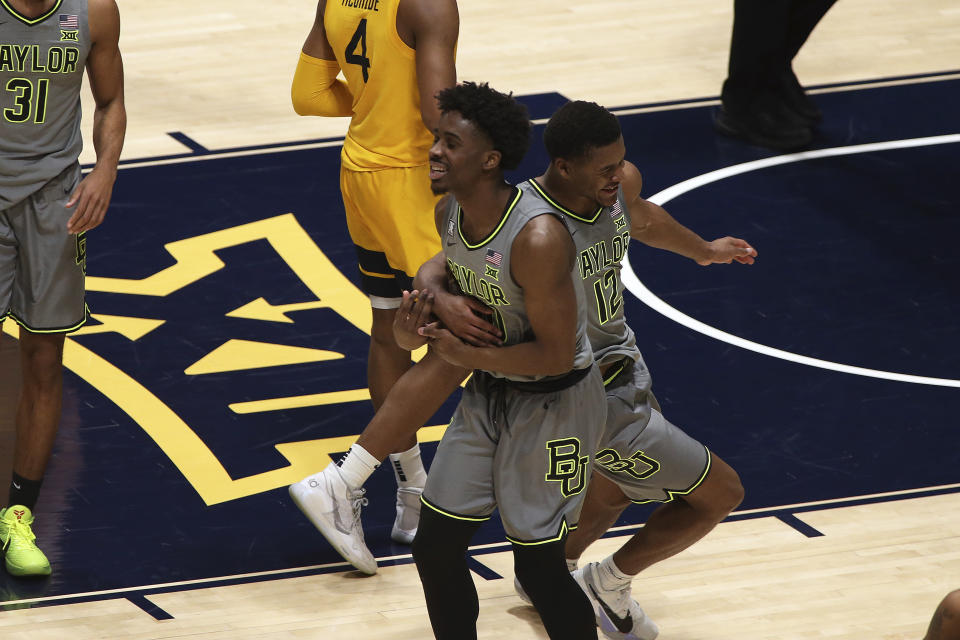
point(856, 267)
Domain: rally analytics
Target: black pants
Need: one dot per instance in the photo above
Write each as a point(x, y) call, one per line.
point(440, 553)
point(767, 34)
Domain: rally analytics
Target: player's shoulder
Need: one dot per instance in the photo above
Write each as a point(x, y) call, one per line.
point(104, 19)
point(632, 181)
point(429, 14)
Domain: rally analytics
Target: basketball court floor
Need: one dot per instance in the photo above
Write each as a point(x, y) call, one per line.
point(226, 353)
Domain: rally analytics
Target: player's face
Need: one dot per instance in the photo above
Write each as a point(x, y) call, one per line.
point(598, 176)
point(459, 154)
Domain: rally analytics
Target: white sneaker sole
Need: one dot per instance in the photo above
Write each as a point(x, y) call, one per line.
point(328, 530)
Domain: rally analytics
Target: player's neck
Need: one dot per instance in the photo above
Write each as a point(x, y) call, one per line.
point(561, 190)
point(32, 8)
point(483, 207)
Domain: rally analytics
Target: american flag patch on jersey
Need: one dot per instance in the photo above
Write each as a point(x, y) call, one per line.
point(494, 257)
point(69, 21)
point(615, 210)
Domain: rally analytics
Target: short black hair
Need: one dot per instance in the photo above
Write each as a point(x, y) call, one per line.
point(577, 127)
point(498, 115)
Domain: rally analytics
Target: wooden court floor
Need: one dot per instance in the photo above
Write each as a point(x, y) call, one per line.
point(219, 74)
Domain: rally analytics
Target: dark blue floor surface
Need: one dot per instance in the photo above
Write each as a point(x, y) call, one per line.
point(857, 266)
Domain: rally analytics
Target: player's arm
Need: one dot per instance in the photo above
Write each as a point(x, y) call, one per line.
point(316, 91)
point(465, 316)
point(435, 27)
point(652, 225)
point(542, 258)
point(105, 72)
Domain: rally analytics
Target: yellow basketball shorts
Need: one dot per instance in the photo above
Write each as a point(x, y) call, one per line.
point(391, 222)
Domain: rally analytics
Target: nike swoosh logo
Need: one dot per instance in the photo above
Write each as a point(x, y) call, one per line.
point(15, 485)
point(623, 625)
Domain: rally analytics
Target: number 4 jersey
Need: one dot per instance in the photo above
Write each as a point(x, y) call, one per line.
point(387, 129)
point(41, 70)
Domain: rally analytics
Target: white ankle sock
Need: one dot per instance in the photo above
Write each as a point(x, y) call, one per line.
point(357, 465)
point(408, 468)
point(611, 577)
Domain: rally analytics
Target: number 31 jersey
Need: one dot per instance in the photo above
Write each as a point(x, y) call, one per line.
point(41, 71)
point(387, 129)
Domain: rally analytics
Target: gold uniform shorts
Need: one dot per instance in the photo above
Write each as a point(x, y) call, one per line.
point(391, 221)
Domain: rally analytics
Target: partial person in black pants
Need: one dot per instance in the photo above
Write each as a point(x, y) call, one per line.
point(763, 102)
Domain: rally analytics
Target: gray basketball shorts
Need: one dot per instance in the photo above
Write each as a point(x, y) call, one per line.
point(42, 266)
point(525, 453)
point(650, 459)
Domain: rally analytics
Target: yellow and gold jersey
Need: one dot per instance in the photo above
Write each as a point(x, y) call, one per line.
point(387, 129)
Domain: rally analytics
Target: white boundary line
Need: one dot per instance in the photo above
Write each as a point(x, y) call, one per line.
point(633, 283)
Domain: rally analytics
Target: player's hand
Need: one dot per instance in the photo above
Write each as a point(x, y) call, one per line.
point(727, 250)
point(469, 319)
point(446, 345)
point(414, 312)
point(91, 198)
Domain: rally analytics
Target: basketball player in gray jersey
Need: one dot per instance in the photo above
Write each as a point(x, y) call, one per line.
point(521, 435)
point(643, 457)
point(46, 208)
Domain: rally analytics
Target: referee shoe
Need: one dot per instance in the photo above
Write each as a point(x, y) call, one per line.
point(334, 509)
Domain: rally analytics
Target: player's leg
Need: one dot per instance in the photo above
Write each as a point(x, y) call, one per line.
point(440, 551)
point(332, 498)
point(644, 458)
point(945, 624)
point(458, 497)
point(542, 469)
point(603, 504)
point(46, 308)
point(676, 525)
point(390, 218)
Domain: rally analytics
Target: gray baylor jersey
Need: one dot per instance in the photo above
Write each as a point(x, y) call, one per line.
point(41, 70)
point(482, 270)
point(602, 240)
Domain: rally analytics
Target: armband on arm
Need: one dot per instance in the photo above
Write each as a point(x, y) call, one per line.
point(316, 90)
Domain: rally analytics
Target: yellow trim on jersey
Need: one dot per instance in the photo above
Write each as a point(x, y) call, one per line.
point(564, 530)
point(31, 21)
point(554, 203)
point(493, 234)
point(617, 371)
point(674, 494)
point(452, 515)
point(28, 329)
point(385, 276)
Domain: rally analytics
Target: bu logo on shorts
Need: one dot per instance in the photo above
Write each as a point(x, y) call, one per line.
point(567, 466)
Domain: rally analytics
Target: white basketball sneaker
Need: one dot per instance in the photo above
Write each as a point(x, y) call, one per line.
point(408, 514)
point(619, 616)
point(334, 509)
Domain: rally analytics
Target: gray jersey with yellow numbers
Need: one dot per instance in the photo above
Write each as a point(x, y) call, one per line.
point(41, 70)
point(601, 239)
point(482, 270)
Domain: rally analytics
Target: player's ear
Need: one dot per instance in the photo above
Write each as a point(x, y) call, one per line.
point(491, 160)
point(562, 166)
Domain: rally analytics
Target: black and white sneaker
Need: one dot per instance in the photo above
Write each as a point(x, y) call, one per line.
point(619, 616)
